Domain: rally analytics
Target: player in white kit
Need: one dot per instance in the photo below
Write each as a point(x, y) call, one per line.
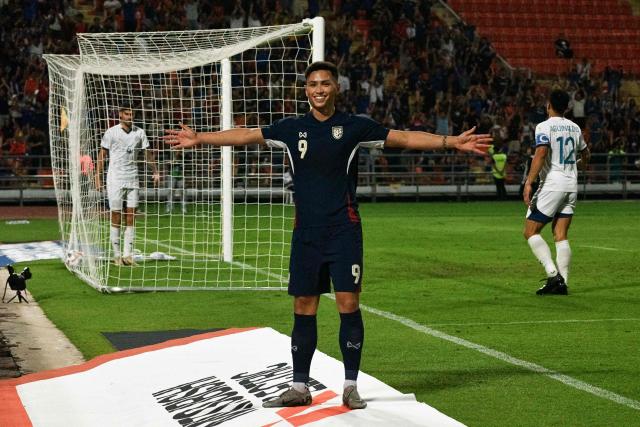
point(558, 142)
point(122, 144)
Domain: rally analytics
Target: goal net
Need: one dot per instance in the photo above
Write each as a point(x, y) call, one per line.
point(220, 218)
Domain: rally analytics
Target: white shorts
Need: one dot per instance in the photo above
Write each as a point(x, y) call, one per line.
point(118, 194)
point(547, 205)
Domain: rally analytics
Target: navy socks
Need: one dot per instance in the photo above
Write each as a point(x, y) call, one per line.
point(304, 339)
point(351, 340)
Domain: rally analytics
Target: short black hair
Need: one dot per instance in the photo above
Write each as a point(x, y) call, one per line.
point(559, 100)
point(322, 65)
point(124, 106)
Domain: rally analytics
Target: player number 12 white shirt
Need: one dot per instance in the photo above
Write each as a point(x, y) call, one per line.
point(564, 138)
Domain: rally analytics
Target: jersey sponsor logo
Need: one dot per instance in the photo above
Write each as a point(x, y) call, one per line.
point(542, 139)
point(337, 132)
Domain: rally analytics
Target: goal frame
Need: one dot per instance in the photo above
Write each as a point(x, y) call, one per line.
point(71, 223)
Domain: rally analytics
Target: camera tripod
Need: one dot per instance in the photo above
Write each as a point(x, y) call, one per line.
point(18, 294)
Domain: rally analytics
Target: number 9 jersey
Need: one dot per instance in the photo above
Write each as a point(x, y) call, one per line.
point(564, 139)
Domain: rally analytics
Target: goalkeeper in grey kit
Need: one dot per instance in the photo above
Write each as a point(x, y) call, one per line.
point(326, 247)
point(121, 144)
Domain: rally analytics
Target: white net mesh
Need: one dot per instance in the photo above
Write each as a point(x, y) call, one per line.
point(169, 78)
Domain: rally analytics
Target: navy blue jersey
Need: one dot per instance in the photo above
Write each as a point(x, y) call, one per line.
point(324, 163)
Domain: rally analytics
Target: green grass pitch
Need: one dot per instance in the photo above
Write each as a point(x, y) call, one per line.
point(462, 269)
point(261, 243)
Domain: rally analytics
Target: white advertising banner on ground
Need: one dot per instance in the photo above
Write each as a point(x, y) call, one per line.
point(218, 378)
point(24, 252)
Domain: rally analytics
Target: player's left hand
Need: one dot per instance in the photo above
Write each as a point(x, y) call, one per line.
point(469, 143)
point(156, 179)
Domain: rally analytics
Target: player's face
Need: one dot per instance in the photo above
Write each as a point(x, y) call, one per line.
point(126, 117)
point(321, 90)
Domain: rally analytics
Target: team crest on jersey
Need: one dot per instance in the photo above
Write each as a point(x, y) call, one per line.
point(337, 132)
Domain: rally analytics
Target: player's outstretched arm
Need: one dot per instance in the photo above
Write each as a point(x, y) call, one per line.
point(414, 140)
point(187, 137)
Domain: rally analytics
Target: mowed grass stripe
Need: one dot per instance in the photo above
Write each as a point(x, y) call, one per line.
point(504, 357)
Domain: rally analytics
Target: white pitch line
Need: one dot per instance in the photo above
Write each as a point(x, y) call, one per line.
point(605, 248)
point(565, 379)
point(535, 322)
point(179, 250)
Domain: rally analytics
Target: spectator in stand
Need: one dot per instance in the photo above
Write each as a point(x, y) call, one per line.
point(18, 150)
point(573, 77)
point(111, 7)
point(563, 47)
point(499, 170)
point(237, 17)
point(4, 107)
point(376, 92)
point(16, 106)
point(442, 118)
point(253, 20)
point(217, 19)
point(584, 70)
point(616, 159)
point(593, 106)
point(614, 80)
point(96, 26)
point(577, 108)
point(527, 133)
point(343, 81)
point(191, 14)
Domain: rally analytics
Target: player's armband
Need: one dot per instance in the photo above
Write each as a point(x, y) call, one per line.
point(542, 139)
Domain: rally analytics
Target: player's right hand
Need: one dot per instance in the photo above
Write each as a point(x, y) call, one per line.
point(184, 138)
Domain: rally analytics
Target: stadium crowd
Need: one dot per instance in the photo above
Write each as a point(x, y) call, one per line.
point(399, 64)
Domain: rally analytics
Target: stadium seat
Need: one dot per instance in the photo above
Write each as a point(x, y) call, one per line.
point(523, 31)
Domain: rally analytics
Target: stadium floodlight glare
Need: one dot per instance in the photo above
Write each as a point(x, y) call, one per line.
point(221, 218)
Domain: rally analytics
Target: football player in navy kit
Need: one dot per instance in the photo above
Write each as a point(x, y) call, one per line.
point(326, 246)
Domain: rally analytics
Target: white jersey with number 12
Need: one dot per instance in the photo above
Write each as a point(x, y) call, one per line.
point(564, 138)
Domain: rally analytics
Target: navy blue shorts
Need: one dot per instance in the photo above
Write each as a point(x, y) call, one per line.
point(321, 255)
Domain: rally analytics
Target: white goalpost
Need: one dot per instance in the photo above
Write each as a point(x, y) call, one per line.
point(220, 218)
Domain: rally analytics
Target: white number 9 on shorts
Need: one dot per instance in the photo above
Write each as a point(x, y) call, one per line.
point(355, 271)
